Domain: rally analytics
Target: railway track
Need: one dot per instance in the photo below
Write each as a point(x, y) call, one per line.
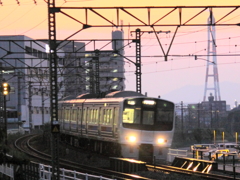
point(172, 169)
point(23, 145)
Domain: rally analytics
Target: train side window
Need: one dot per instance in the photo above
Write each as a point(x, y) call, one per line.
point(116, 116)
point(84, 115)
point(74, 115)
point(102, 116)
point(90, 116)
point(93, 115)
point(109, 116)
point(63, 114)
point(79, 116)
point(105, 111)
point(99, 115)
point(106, 116)
point(96, 116)
point(67, 115)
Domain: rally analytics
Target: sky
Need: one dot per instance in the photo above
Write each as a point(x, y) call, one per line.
point(179, 78)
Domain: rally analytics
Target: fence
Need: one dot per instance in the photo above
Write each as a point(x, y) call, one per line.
point(7, 170)
point(44, 172)
point(172, 153)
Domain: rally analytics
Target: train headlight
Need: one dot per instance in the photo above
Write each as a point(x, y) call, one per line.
point(161, 141)
point(131, 138)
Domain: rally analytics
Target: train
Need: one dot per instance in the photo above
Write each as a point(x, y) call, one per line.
point(123, 124)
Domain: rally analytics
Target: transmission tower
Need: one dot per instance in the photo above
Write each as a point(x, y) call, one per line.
point(212, 71)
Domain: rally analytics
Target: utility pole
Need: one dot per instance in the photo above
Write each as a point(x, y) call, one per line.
point(138, 61)
point(182, 118)
point(19, 98)
point(198, 109)
point(42, 108)
point(1, 102)
point(96, 59)
point(30, 105)
point(42, 94)
point(53, 59)
point(5, 118)
point(91, 78)
point(5, 88)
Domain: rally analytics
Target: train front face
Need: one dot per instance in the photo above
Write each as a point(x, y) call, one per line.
point(146, 129)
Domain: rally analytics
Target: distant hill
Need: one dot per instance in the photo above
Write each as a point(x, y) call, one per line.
point(193, 94)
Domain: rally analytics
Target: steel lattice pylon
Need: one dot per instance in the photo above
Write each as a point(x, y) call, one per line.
point(212, 53)
point(138, 61)
point(108, 21)
point(53, 88)
point(1, 102)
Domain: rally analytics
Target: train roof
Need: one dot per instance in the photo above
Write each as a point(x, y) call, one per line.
point(109, 95)
point(116, 96)
point(123, 94)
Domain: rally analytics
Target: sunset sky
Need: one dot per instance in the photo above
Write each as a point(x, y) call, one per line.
point(30, 18)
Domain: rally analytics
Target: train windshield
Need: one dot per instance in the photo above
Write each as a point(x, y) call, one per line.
point(148, 114)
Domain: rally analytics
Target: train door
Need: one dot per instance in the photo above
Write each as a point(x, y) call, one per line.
point(86, 116)
point(66, 117)
point(99, 120)
point(79, 120)
point(106, 127)
point(115, 121)
point(84, 121)
point(73, 119)
point(92, 120)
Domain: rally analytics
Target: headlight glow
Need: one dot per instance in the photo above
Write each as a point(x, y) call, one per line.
point(131, 138)
point(161, 141)
point(149, 102)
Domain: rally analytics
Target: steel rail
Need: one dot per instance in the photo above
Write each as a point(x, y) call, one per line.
point(23, 144)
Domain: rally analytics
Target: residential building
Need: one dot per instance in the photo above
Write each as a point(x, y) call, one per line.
point(25, 66)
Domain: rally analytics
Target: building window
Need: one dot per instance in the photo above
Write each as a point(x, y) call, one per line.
point(115, 70)
point(35, 52)
point(114, 87)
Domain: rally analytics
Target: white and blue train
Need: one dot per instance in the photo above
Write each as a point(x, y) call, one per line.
point(123, 123)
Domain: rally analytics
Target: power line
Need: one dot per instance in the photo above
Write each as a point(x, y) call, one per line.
point(18, 18)
point(33, 27)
